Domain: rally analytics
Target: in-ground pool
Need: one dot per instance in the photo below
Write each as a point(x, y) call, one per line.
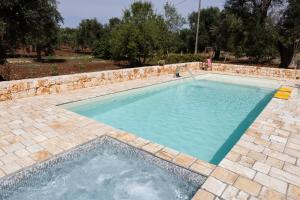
point(203, 118)
point(102, 169)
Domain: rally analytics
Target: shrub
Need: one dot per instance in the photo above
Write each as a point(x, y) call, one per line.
point(101, 49)
point(178, 58)
point(54, 70)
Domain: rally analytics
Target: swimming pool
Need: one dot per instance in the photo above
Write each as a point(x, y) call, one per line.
point(102, 169)
point(202, 118)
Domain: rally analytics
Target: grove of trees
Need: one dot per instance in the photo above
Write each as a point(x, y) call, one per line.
point(258, 29)
point(28, 22)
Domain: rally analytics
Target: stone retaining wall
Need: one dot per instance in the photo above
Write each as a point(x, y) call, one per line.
point(257, 71)
point(49, 85)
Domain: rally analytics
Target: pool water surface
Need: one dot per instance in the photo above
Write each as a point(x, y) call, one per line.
point(202, 118)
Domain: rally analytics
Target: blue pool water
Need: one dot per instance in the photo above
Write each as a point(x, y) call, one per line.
point(201, 118)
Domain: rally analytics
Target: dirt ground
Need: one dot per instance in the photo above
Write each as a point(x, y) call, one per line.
point(65, 61)
point(17, 71)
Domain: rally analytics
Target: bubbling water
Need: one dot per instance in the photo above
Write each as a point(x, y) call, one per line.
point(105, 176)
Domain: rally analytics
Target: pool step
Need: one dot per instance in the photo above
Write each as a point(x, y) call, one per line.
point(285, 89)
point(283, 93)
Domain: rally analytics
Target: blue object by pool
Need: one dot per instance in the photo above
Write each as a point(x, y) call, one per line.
point(104, 169)
point(201, 118)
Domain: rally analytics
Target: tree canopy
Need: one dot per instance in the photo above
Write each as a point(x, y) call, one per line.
point(258, 29)
point(289, 30)
point(139, 35)
point(209, 18)
point(256, 34)
point(89, 31)
point(29, 22)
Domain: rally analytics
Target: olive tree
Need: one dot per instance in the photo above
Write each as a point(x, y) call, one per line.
point(29, 22)
point(289, 31)
point(89, 31)
point(139, 36)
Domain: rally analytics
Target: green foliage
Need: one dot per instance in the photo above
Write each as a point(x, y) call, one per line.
point(89, 31)
point(246, 30)
point(68, 37)
point(174, 23)
point(177, 58)
point(260, 42)
point(173, 19)
point(209, 18)
point(187, 38)
point(139, 36)
point(54, 70)
point(289, 32)
point(228, 32)
point(81, 67)
point(30, 22)
point(102, 47)
point(113, 22)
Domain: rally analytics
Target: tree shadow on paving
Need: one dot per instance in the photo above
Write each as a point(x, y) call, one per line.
point(1, 78)
point(56, 60)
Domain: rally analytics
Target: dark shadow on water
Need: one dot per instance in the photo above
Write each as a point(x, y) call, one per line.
point(239, 131)
point(197, 86)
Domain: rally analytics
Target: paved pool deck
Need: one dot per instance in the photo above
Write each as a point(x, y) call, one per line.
point(264, 164)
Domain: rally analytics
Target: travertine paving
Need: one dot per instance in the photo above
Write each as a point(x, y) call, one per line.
point(264, 164)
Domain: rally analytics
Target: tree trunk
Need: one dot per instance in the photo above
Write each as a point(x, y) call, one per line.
point(217, 53)
point(2, 53)
point(286, 54)
point(33, 48)
point(39, 52)
point(265, 5)
point(47, 51)
point(2, 57)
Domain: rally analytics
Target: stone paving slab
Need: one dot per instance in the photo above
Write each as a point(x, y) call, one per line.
point(264, 164)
